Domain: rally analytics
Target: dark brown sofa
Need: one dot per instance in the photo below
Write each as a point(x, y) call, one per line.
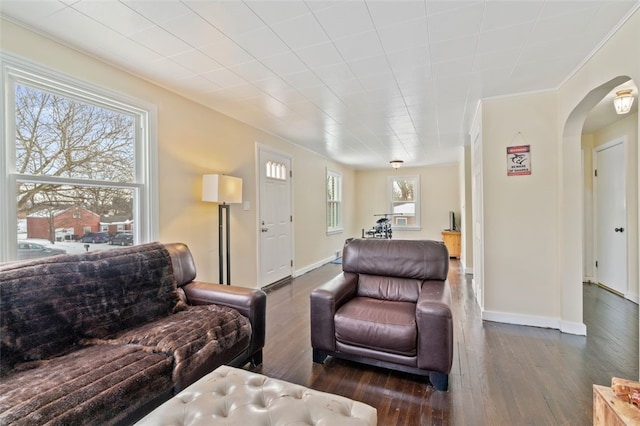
point(391, 307)
point(104, 337)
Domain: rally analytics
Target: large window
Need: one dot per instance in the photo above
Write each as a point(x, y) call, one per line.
point(334, 202)
point(76, 160)
point(404, 202)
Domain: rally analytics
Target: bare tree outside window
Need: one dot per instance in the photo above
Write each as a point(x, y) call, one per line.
point(63, 138)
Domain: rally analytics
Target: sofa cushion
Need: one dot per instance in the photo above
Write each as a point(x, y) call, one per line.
point(384, 325)
point(49, 305)
point(192, 337)
point(95, 385)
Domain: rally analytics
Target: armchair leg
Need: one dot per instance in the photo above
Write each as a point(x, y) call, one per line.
point(440, 381)
point(319, 356)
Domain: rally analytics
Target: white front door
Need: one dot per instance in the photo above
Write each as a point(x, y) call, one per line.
point(275, 220)
point(611, 217)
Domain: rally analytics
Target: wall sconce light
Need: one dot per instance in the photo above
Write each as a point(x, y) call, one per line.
point(623, 101)
point(223, 190)
point(396, 163)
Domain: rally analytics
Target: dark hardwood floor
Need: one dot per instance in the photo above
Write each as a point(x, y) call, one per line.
point(502, 374)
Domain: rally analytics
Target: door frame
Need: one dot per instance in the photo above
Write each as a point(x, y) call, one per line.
point(594, 232)
point(260, 148)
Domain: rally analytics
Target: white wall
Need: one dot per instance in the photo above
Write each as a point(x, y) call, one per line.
point(194, 140)
point(520, 219)
point(439, 192)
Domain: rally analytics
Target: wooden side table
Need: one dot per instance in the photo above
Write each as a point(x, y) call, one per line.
point(452, 241)
point(610, 410)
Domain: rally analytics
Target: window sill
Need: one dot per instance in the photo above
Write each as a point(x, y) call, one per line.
point(335, 231)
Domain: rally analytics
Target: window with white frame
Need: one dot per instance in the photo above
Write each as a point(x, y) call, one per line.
point(334, 202)
point(404, 202)
point(70, 146)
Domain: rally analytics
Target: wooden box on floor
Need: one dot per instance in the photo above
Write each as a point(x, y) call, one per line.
point(611, 410)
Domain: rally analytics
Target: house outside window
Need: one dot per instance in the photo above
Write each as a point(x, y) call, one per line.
point(334, 202)
point(404, 202)
point(72, 146)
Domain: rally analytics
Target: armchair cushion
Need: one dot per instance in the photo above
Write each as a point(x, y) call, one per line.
point(383, 325)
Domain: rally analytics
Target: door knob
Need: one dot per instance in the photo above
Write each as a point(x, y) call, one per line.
point(619, 229)
point(264, 229)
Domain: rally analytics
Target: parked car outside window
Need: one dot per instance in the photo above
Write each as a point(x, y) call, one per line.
point(28, 250)
point(122, 239)
point(95, 237)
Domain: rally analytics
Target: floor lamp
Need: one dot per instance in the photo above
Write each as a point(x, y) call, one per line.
point(223, 190)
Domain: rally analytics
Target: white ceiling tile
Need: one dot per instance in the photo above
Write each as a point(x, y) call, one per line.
point(262, 43)
point(562, 26)
point(284, 63)
point(225, 78)
point(197, 84)
point(129, 54)
point(335, 72)
point(453, 49)
point(506, 14)
point(274, 11)
point(504, 38)
point(30, 11)
point(411, 57)
point(319, 55)
point(161, 41)
point(169, 71)
point(157, 11)
point(253, 71)
point(359, 46)
point(496, 60)
point(300, 32)
point(194, 30)
point(227, 53)
point(116, 16)
point(455, 67)
point(388, 13)
point(461, 22)
point(371, 65)
point(196, 61)
point(552, 9)
point(231, 17)
point(407, 34)
point(302, 79)
point(345, 19)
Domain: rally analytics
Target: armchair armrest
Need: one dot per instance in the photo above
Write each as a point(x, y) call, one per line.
point(435, 327)
point(325, 301)
point(251, 303)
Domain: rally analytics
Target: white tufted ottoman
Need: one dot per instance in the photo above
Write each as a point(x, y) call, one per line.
point(231, 396)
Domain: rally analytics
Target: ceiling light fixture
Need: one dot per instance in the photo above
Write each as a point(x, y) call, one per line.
point(623, 101)
point(396, 163)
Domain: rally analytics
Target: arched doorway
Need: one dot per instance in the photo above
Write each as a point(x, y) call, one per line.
point(571, 208)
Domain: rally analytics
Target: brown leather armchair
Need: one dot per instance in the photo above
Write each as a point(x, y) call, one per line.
point(391, 308)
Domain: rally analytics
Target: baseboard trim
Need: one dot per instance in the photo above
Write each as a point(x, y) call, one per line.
point(536, 321)
point(313, 266)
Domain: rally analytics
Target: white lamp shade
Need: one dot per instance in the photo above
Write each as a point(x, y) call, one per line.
point(221, 189)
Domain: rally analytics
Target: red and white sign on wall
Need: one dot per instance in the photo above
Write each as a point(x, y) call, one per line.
point(518, 160)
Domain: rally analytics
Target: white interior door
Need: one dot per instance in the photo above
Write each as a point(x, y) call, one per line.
point(611, 217)
point(275, 220)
